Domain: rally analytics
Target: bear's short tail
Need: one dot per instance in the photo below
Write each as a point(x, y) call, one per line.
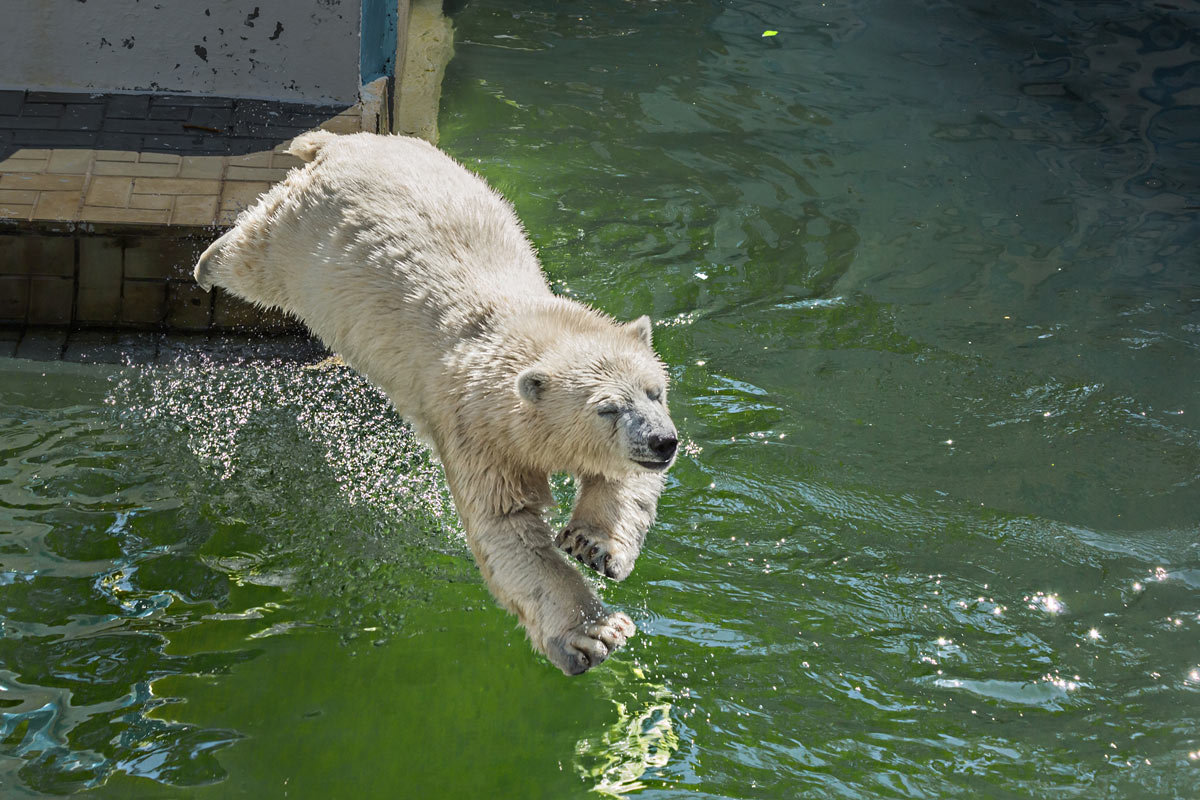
point(306, 146)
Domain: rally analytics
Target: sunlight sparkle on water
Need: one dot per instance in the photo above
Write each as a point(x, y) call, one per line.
point(1050, 603)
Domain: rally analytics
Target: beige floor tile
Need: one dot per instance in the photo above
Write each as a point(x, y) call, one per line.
point(147, 216)
point(201, 167)
point(71, 162)
point(159, 201)
point(57, 205)
point(42, 183)
point(176, 186)
point(135, 170)
point(15, 211)
point(237, 195)
point(109, 190)
point(25, 165)
point(194, 210)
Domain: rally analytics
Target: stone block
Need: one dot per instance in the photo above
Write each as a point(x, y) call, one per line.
point(128, 106)
point(37, 255)
point(194, 210)
point(259, 159)
point(42, 110)
point(98, 305)
point(128, 216)
point(138, 347)
point(160, 257)
point(31, 166)
point(236, 173)
point(188, 306)
point(38, 96)
point(156, 201)
point(209, 167)
point(239, 195)
point(178, 113)
point(81, 117)
point(143, 125)
point(143, 302)
point(41, 183)
point(158, 158)
point(285, 161)
point(100, 261)
point(134, 169)
point(109, 190)
point(22, 198)
point(185, 141)
point(93, 347)
point(69, 162)
point(24, 123)
point(43, 345)
point(63, 206)
point(50, 300)
point(55, 138)
point(118, 141)
point(11, 101)
point(343, 123)
point(219, 118)
point(176, 185)
point(230, 313)
point(116, 155)
point(21, 211)
point(98, 295)
point(195, 100)
point(14, 298)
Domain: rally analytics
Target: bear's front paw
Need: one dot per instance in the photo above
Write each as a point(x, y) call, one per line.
point(593, 548)
point(588, 644)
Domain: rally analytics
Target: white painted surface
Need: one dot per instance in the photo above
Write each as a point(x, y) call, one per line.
point(300, 50)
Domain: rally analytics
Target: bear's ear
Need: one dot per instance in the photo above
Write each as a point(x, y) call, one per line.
point(531, 384)
point(643, 328)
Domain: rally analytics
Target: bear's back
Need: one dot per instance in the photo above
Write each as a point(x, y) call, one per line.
point(424, 217)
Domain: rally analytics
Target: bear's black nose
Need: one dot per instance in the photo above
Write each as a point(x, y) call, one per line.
point(663, 446)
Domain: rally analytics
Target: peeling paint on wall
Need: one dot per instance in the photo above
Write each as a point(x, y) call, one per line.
point(300, 50)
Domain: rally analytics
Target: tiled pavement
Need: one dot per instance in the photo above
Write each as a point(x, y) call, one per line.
point(106, 200)
point(175, 160)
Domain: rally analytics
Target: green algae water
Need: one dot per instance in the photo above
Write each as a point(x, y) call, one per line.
point(926, 277)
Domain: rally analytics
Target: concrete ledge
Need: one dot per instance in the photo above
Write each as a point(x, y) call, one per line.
point(143, 347)
point(119, 278)
point(106, 200)
point(427, 45)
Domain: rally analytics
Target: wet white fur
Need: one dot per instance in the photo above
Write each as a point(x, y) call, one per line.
point(420, 276)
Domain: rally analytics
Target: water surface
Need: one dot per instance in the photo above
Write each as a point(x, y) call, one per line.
point(925, 274)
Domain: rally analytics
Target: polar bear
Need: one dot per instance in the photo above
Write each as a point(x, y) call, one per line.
point(421, 277)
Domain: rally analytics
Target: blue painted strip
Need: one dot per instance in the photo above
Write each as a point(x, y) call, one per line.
point(377, 40)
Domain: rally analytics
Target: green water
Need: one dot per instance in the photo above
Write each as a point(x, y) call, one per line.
point(926, 277)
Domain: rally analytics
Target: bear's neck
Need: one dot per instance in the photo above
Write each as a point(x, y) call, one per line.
point(486, 414)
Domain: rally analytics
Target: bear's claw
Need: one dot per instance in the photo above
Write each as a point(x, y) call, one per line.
point(590, 643)
point(594, 550)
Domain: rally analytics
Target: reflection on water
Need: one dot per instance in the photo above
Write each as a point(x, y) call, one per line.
point(639, 743)
point(925, 277)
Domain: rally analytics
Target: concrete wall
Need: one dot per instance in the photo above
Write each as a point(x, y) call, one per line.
point(301, 50)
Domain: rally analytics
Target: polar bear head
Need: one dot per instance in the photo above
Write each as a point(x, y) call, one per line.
point(597, 401)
